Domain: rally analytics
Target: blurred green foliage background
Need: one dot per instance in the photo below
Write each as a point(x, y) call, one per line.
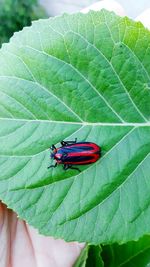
point(15, 14)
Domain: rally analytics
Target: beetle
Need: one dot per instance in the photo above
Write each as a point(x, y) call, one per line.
point(75, 153)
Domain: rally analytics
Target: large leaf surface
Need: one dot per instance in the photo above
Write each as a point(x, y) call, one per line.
point(84, 76)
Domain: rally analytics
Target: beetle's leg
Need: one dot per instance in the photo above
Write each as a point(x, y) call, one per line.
point(65, 143)
point(74, 168)
point(52, 147)
point(52, 166)
point(66, 167)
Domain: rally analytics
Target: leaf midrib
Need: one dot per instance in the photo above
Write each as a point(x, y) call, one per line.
point(126, 124)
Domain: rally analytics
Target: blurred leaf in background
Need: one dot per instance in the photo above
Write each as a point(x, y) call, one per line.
point(15, 14)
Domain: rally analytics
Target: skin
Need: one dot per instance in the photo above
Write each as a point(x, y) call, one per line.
point(20, 244)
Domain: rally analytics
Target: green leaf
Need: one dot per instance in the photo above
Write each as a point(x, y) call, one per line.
point(131, 254)
point(81, 261)
point(90, 256)
point(84, 76)
point(94, 257)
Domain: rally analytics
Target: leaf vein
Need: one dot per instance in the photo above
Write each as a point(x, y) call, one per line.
point(83, 77)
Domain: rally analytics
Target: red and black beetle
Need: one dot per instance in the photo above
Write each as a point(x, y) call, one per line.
point(75, 153)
